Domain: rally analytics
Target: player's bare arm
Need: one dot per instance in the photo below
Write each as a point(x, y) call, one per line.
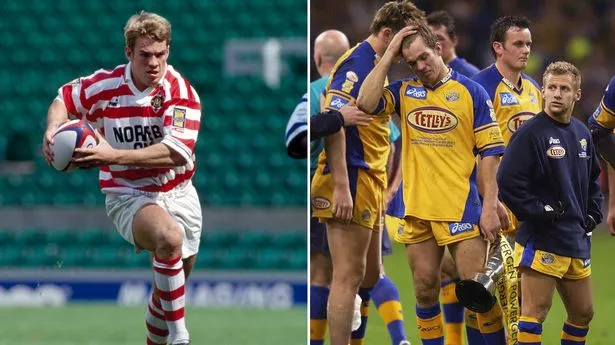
point(489, 221)
point(56, 115)
point(394, 185)
point(502, 211)
point(610, 218)
point(353, 116)
point(155, 156)
point(371, 90)
point(335, 147)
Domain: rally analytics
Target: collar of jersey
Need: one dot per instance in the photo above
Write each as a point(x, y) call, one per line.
point(446, 78)
point(509, 84)
point(131, 84)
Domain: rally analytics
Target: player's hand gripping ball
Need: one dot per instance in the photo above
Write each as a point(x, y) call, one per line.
point(68, 137)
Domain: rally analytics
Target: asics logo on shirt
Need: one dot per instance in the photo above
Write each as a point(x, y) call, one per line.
point(337, 102)
point(507, 98)
point(416, 92)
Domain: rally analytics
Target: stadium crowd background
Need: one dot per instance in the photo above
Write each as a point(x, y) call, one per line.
point(580, 32)
point(247, 61)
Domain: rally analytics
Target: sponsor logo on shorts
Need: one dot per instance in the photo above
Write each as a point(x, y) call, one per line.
point(458, 228)
point(556, 152)
point(517, 120)
point(493, 322)
point(547, 258)
point(507, 98)
point(586, 263)
point(432, 120)
point(416, 92)
point(337, 102)
point(366, 215)
point(320, 203)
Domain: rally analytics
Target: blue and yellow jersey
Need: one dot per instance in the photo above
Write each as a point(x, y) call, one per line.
point(316, 88)
point(443, 128)
point(512, 105)
point(367, 147)
point(604, 116)
point(463, 67)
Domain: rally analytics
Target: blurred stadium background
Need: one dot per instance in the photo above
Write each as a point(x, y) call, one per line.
point(61, 256)
point(580, 32)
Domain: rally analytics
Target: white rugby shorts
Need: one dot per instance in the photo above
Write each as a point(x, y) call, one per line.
point(181, 203)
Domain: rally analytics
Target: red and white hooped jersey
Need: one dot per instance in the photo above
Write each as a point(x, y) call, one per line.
point(168, 113)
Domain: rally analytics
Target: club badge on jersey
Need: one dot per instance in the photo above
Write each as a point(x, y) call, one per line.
point(157, 101)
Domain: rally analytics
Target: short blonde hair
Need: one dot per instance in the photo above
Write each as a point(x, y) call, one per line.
point(147, 24)
point(563, 68)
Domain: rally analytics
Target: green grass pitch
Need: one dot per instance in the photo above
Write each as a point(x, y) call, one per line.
point(99, 324)
point(603, 278)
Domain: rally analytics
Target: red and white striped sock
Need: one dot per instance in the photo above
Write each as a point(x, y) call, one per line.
point(157, 331)
point(170, 279)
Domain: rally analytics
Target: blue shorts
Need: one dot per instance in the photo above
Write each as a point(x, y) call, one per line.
point(318, 239)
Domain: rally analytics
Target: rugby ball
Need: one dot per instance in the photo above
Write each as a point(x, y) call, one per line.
point(69, 136)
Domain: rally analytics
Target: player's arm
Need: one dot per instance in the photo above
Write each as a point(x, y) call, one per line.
point(56, 115)
point(490, 145)
point(610, 219)
point(330, 121)
point(594, 205)
point(489, 167)
point(601, 125)
point(297, 130)
point(335, 147)
point(394, 174)
point(182, 121)
point(370, 95)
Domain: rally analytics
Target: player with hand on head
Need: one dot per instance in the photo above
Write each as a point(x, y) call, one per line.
point(347, 191)
point(148, 116)
point(443, 26)
point(446, 119)
point(549, 179)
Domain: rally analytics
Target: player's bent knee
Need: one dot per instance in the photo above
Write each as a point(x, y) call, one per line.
point(539, 311)
point(426, 290)
point(169, 242)
point(350, 277)
point(582, 317)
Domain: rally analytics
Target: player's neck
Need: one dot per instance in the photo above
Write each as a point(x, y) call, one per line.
point(324, 69)
point(442, 73)
point(511, 75)
point(561, 118)
point(450, 58)
point(377, 44)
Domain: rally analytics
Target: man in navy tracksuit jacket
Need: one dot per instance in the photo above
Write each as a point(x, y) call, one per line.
point(549, 179)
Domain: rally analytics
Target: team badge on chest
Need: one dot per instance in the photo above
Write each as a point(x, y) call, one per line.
point(157, 101)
